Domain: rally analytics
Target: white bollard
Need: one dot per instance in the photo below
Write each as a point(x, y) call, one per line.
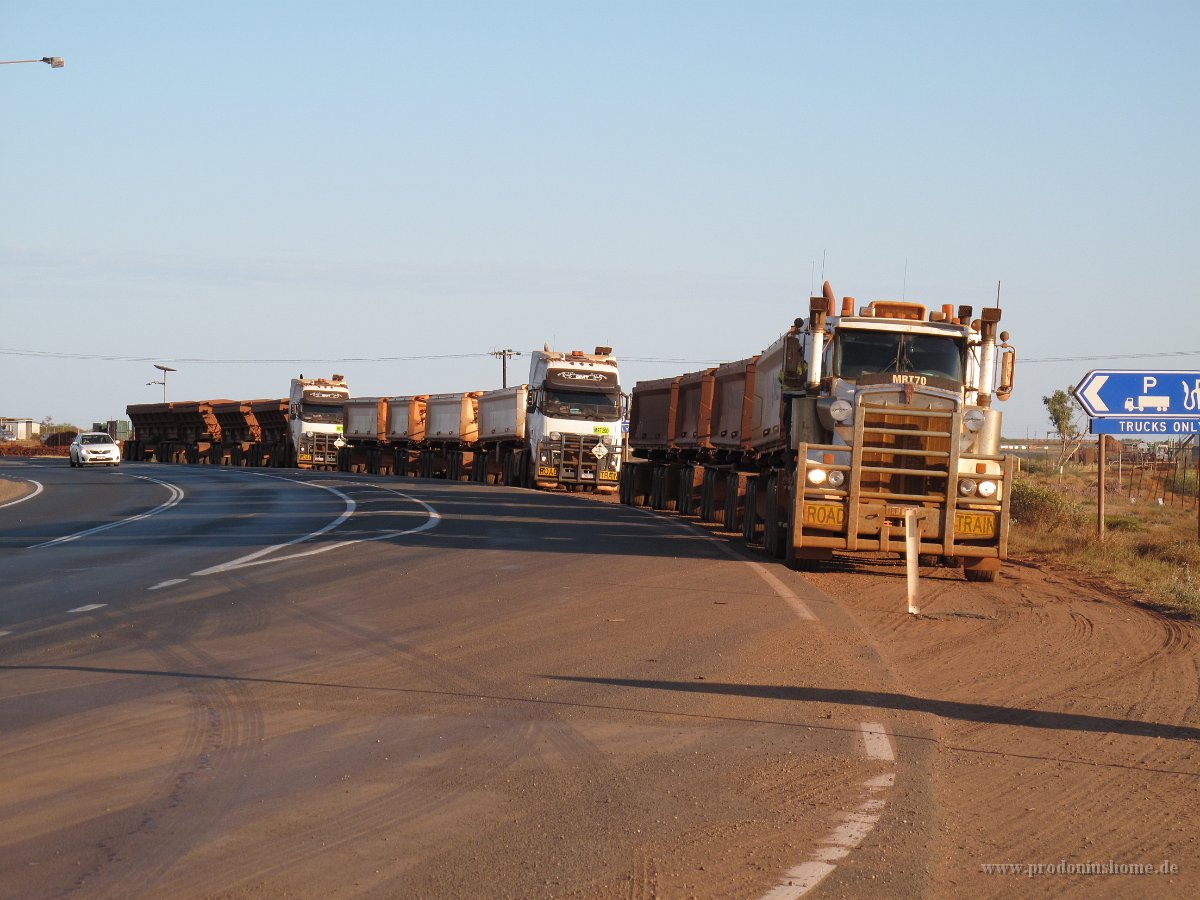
point(912, 547)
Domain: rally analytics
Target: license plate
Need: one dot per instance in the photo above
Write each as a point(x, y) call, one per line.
point(599, 429)
point(305, 457)
point(824, 515)
point(587, 476)
point(970, 524)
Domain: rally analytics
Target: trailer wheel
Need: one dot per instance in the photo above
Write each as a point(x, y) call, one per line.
point(750, 513)
point(775, 530)
point(729, 520)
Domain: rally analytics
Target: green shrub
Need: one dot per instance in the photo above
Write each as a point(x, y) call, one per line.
point(1043, 507)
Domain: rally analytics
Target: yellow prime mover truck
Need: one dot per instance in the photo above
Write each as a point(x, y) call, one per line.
point(841, 435)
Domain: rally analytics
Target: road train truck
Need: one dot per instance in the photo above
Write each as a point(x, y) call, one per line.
point(845, 434)
point(573, 421)
point(316, 420)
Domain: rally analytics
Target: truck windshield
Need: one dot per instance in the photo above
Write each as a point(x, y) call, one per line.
point(878, 352)
point(321, 415)
point(581, 405)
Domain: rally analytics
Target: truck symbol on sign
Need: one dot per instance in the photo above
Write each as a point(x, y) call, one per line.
point(1141, 404)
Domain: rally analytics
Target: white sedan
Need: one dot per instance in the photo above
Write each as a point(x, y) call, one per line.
point(94, 448)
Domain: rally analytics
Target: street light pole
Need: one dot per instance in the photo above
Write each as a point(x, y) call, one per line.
point(54, 62)
point(164, 370)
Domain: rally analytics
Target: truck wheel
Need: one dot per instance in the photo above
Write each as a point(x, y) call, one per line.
point(750, 512)
point(981, 569)
point(774, 530)
point(729, 520)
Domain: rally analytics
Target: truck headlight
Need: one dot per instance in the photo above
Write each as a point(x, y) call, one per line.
point(836, 478)
point(973, 419)
point(841, 410)
point(816, 476)
point(987, 489)
point(966, 486)
point(556, 436)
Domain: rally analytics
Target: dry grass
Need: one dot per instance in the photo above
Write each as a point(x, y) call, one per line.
point(1149, 551)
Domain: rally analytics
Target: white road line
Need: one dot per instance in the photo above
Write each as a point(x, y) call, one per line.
point(848, 835)
point(88, 608)
point(876, 742)
point(168, 583)
point(176, 495)
point(36, 491)
point(3, 633)
point(256, 558)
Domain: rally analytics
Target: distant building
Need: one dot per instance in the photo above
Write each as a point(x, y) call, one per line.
point(22, 429)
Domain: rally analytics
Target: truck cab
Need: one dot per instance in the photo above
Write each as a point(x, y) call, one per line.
point(316, 420)
point(573, 420)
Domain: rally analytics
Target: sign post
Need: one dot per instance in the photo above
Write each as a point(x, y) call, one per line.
point(1137, 403)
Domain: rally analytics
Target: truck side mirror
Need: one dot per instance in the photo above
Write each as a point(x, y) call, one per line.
point(531, 401)
point(1008, 367)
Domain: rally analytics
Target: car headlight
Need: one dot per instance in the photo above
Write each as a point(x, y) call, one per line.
point(966, 486)
point(816, 476)
point(837, 478)
point(841, 409)
point(987, 489)
point(973, 419)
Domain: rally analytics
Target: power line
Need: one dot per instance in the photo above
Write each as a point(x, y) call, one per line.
point(196, 360)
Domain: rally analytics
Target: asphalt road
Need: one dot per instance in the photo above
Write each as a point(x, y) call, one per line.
point(235, 683)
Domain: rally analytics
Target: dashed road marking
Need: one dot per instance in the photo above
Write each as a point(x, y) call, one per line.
point(88, 608)
point(876, 742)
point(168, 583)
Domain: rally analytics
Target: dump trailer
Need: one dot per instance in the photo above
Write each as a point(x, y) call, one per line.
point(451, 431)
point(404, 431)
point(364, 434)
point(274, 445)
point(501, 437)
point(239, 431)
point(854, 428)
point(185, 431)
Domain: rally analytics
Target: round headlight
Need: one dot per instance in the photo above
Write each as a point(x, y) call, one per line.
point(973, 419)
point(555, 436)
point(966, 487)
point(841, 409)
point(837, 478)
point(987, 489)
point(816, 476)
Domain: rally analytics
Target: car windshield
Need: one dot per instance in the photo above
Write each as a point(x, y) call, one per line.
point(95, 439)
point(321, 415)
point(877, 352)
point(562, 404)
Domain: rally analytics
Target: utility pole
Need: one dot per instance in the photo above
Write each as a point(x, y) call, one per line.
point(504, 357)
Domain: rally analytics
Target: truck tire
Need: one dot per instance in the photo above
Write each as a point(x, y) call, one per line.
point(775, 529)
point(750, 513)
point(730, 520)
point(984, 570)
point(685, 491)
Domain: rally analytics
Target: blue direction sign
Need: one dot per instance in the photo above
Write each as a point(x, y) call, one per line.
point(1140, 396)
point(1145, 427)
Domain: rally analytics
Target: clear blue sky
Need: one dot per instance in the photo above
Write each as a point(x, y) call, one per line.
point(313, 181)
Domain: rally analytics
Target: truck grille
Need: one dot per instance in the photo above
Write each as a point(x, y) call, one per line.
point(905, 452)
